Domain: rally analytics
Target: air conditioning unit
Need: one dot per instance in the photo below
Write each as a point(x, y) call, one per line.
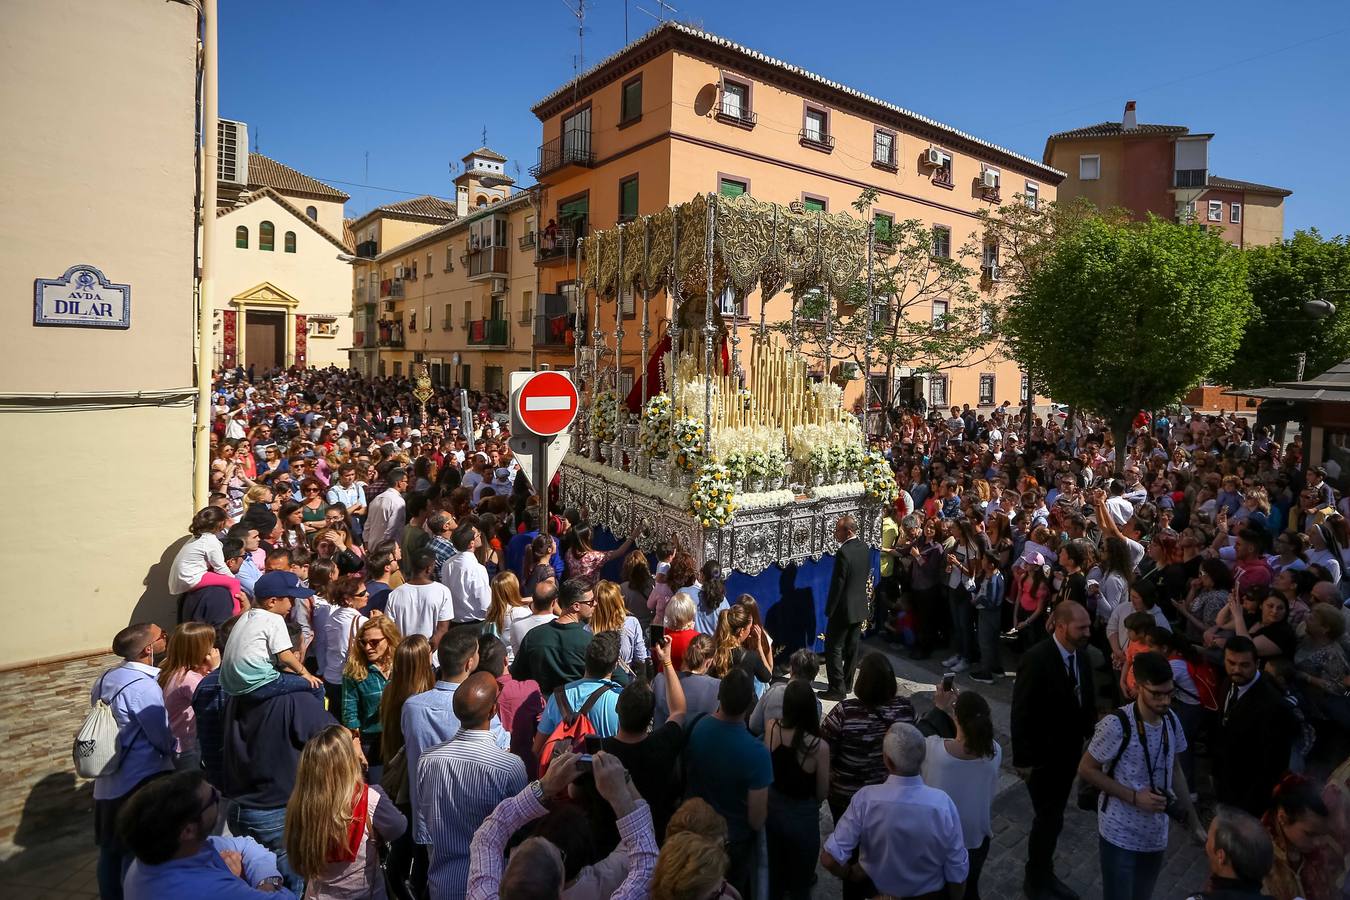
point(498, 286)
point(989, 180)
point(933, 157)
point(993, 273)
point(389, 306)
point(232, 148)
point(399, 272)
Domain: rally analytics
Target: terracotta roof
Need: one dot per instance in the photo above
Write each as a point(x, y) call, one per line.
point(348, 233)
point(516, 200)
point(1113, 129)
point(486, 153)
point(419, 209)
point(294, 210)
point(715, 42)
point(265, 171)
point(1232, 184)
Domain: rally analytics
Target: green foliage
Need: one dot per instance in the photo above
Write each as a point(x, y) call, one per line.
point(1121, 317)
point(1283, 277)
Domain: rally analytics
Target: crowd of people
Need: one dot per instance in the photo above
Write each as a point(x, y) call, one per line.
point(393, 675)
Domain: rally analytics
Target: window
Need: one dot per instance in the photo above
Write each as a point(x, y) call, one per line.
point(526, 307)
point(1033, 194)
point(883, 147)
point(1235, 213)
point(987, 316)
point(942, 173)
point(312, 212)
point(881, 227)
point(628, 199)
point(398, 370)
point(990, 174)
point(449, 315)
point(267, 235)
point(1089, 167)
point(942, 242)
point(732, 187)
point(626, 381)
point(986, 389)
point(735, 101)
point(449, 257)
point(816, 126)
point(989, 258)
point(631, 105)
point(940, 308)
point(428, 264)
point(289, 242)
point(241, 237)
point(729, 304)
point(813, 203)
point(937, 391)
point(1216, 210)
point(881, 311)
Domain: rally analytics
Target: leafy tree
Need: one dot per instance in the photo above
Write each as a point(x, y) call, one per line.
point(906, 280)
point(1122, 317)
point(1283, 277)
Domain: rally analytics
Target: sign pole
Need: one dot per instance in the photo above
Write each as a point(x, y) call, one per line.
point(541, 479)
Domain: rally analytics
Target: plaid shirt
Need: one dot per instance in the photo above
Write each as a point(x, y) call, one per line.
point(443, 550)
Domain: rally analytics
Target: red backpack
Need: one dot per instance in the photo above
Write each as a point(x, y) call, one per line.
point(1206, 683)
point(571, 732)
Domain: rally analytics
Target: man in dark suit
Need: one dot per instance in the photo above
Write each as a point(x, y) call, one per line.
point(845, 607)
point(1256, 732)
point(1053, 713)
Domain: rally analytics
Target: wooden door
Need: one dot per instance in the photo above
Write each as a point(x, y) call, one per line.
point(265, 340)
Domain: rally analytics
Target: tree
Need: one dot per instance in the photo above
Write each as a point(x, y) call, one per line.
point(1283, 277)
point(907, 278)
point(1122, 317)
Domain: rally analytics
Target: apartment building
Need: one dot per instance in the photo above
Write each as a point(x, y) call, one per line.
point(458, 296)
point(281, 263)
point(1164, 170)
point(681, 111)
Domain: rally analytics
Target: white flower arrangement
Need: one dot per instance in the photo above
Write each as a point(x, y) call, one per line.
point(854, 456)
point(777, 464)
point(765, 499)
point(687, 438)
point(744, 440)
point(838, 456)
point(836, 491)
point(757, 465)
point(677, 498)
point(607, 417)
point(818, 459)
point(654, 430)
point(736, 461)
point(712, 497)
point(878, 480)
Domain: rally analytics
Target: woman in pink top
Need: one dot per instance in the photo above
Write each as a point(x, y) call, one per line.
point(192, 655)
point(335, 821)
point(585, 562)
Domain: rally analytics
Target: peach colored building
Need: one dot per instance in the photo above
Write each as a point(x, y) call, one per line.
point(1164, 170)
point(681, 111)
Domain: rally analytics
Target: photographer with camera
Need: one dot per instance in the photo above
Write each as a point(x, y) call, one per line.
point(1132, 761)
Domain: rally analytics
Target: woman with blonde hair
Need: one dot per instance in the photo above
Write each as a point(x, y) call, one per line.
point(738, 645)
point(611, 614)
point(335, 821)
point(370, 660)
point(410, 674)
point(191, 656)
point(680, 612)
point(691, 867)
point(507, 604)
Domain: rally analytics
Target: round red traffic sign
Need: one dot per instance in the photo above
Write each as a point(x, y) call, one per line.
point(547, 403)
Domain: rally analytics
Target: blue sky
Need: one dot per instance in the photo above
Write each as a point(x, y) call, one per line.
point(412, 83)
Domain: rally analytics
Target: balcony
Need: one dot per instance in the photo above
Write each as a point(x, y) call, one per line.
point(367, 249)
point(489, 333)
point(816, 140)
point(527, 241)
point(572, 149)
point(563, 245)
point(386, 340)
point(553, 331)
point(1191, 178)
point(488, 262)
point(741, 118)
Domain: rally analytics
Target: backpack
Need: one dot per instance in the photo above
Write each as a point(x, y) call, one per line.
point(1170, 721)
point(571, 732)
point(1206, 684)
point(96, 750)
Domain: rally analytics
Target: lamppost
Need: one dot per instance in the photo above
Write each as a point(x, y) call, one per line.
point(1315, 309)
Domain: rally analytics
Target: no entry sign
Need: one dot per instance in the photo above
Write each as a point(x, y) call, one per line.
point(546, 404)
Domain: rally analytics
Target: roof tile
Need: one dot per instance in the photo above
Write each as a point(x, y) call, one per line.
point(1233, 184)
point(1113, 129)
point(265, 171)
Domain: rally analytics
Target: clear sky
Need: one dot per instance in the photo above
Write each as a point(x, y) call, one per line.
point(410, 84)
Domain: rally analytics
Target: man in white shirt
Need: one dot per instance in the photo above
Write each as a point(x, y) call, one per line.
point(1135, 492)
point(1120, 509)
point(908, 834)
point(466, 577)
point(421, 605)
point(388, 511)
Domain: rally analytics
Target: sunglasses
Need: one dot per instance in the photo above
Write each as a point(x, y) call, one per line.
point(372, 642)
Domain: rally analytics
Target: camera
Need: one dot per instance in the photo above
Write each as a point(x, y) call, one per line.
point(1174, 810)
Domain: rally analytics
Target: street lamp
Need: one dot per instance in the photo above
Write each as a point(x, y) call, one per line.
point(1316, 309)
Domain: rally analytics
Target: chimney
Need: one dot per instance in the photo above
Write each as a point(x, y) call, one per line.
point(1128, 122)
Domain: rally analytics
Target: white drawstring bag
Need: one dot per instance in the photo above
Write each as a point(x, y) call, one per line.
point(96, 750)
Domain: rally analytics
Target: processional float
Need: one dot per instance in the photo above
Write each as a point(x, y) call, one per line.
point(749, 465)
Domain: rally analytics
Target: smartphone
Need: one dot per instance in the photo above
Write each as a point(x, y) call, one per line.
point(948, 680)
point(655, 634)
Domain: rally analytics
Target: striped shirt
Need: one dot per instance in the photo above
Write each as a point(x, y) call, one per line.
point(458, 784)
point(855, 733)
point(637, 841)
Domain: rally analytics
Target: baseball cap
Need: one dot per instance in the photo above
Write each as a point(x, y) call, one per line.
point(503, 475)
point(281, 584)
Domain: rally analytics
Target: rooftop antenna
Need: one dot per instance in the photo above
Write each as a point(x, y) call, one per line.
point(256, 133)
point(664, 10)
point(578, 9)
point(367, 175)
point(484, 136)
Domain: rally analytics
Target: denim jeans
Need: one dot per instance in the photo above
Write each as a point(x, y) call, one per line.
point(963, 631)
point(986, 630)
point(287, 683)
point(1128, 874)
point(267, 827)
